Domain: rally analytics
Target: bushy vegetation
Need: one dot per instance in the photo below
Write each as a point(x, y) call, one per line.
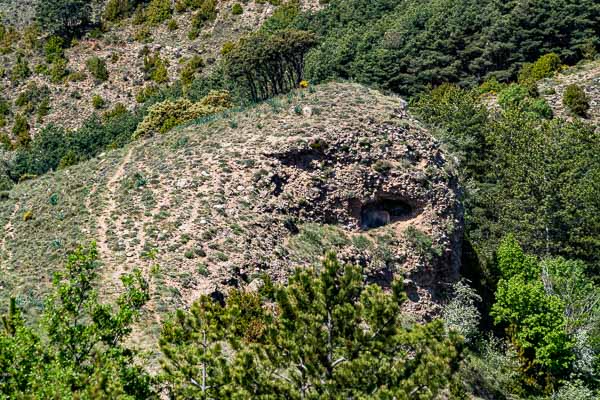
point(116, 10)
point(163, 116)
point(158, 11)
point(53, 145)
point(576, 101)
point(78, 351)
point(406, 47)
point(545, 67)
point(332, 336)
point(267, 65)
point(97, 68)
point(66, 18)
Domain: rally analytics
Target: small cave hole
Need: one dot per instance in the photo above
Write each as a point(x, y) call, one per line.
point(383, 212)
point(279, 182)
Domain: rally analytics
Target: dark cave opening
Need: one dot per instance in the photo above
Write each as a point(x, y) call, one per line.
point(383, 212)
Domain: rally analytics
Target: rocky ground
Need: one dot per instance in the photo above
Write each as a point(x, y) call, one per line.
point(586, 75)
point(71, 102)
point(218, 203)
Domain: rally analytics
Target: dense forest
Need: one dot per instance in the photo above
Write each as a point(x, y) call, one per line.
point(523, 323)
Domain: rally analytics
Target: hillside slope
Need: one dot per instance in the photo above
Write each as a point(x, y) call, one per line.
point(124, 47)
point(586, 75)
point(217, 203)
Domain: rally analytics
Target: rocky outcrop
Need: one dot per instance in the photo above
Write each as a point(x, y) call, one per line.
point(218, 204)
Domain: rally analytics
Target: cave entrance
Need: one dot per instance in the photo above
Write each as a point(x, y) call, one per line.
point(383, 212)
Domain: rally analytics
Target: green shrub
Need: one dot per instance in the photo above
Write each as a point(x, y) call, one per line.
point(191, 69)
point(76, 76)
point(58, 70)
point(145, 93)
point(512, 96)
point(158, 11)
point(20, 70)
point(6, 144)
point(172, 25)
point(283, 17)
point(54, 49)
point(139, 16)
point(20, 131)
point(237, 9)
point(43, 108)
point(207, 12)
point(164, 116)
point(491, 86)
point(545, 67)
point(155, 68)
point(422, 243)
point(517, 96)
point(265, 65)
point(116, 10)
point(65, 18)
point(97, 67)
point(143, 35)
point(4, 106)
point(30, 99)
point(576, 101)
point(98, 102)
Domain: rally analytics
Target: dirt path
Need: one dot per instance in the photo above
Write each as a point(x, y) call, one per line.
point(106, 213)
point(8, 232)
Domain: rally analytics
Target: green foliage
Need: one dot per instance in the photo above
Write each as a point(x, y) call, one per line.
point(116, 10)
point(409, 46)
point(158, 11)
point(491, 86)
point(64, 18)
point(164, 116)
point(51, 144)
point(191, 69)
point(461, 313)
point(534, 319)
point(461, 121)
point(79, 352)
point(519, 97)
point(512, 261)
point(283, 17)
point(98, 102)
point(545, 67)
point(172, 25)
point(155, 68)
point(58, 71)
point(331, 336)
point(576, 100)
point(20, 70)
point(54, 49)
point(207, 12)
point(20, 131)
point(97, 68)
point(32, 97)
point(237, 9)
point(421, 243)
point(525, 175)
point(266, 64)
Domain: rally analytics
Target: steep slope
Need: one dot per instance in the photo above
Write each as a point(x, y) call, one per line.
point(587, 76)
point(123, 47)
point(217, 203)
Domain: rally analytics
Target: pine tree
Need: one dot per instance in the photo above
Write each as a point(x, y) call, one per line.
point(325, 335)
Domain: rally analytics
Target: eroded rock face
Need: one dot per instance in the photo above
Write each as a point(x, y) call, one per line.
point(383, 180)
point(262, 191)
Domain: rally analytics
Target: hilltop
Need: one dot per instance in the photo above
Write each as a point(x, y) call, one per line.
point(215, 204)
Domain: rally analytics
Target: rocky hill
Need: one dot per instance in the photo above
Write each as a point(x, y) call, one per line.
point(220, 202)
